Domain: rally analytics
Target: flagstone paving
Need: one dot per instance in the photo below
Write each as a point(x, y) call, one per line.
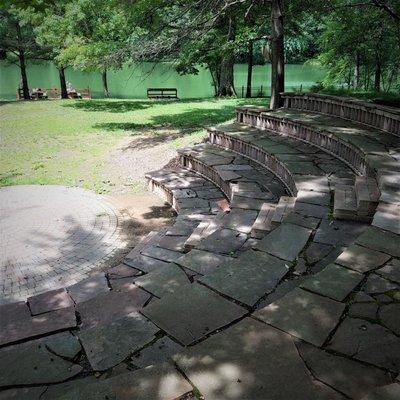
point(192, 313)
point(250, 361)
point(308, 309)
point(247, 278)
point(303, 314)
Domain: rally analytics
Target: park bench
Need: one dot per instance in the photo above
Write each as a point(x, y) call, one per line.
point(162, 93)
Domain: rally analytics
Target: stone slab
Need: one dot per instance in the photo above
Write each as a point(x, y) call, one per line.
point(122, 271)
point(160, 253)
point(391, 271)
point(144, 263)
point(29, 327)
point(246, 203)
point(375, 284)
point(192, 313)
point(303, 168)
point(361, 259)
point(161, 382)
point(31, 393)
point(302, 220)
point(305, 315)
point(112, 305)
point(223, 241)
point(380, 240)
point(387, 221)
point(88, 288)
point(389, 314)
point(339, 233)
point(312, 197)
point(388, 392)
point(175, 243)
point(367, 342)
point(56, 391)
point(49, 301)
point(286, 241)
point(170, 279)
point(313, 183)
point(364, 310)
point(350, 377)
point(181, 227)
point(250, 361)
point(333, 281)
point(311, 210)
point(263, 224)
point(239, 220)
point(160, 351)
point(191, 204)
point(108, 345)
point(12, 311)
point(28, 364)
point(316, 252)
point(210, 194)
point(64, 344)
point(201, 261)
point(248, 277)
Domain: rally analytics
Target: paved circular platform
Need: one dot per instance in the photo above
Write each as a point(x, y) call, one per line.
point(53, 236)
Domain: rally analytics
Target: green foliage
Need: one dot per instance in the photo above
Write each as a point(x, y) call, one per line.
point(361, 47)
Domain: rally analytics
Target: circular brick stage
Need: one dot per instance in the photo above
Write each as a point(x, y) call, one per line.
point(53, 236)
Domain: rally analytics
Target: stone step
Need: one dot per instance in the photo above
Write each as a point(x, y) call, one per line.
point(367, 195)
point(345, 204)
point(263, 224)
point(283, 209)
point(232, 173)
point(205, 228)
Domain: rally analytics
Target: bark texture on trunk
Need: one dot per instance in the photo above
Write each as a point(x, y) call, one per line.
point(226, 85)
point(357, 71)
point(277, 54)
point(63, 83)
point(22, 65)
point(105, 83)
point(378, 74)
point(226, 81)
point(249, 69)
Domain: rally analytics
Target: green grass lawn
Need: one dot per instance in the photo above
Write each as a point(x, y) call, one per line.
point(67, 142)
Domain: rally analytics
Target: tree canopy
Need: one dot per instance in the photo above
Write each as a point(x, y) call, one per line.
point(358, 42)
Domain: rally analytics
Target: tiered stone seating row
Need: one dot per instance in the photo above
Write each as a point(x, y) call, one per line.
point(384, 118)
point(254, 291)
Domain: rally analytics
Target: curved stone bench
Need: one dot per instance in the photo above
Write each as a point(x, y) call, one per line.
point(229, 171)
point(368, 152)
point(341, 148)
point(381, 117)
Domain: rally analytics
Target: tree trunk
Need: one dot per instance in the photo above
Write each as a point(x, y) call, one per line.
point(22, 65)
point(215, 78)
point(249, 69)
point(378, 74)
point(105, 83)
point(356, 84)
point(226, 85)
point(63, 83)
point(226, 81)
point(277, 54)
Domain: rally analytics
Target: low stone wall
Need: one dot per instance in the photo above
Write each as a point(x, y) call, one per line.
point(385, 118)
point(207, 172)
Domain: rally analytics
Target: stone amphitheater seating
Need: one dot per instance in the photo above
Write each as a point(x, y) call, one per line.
point(293, 293)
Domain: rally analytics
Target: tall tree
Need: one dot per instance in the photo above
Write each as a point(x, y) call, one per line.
point(18, 43)
point(277, 54)
point(97, 29)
